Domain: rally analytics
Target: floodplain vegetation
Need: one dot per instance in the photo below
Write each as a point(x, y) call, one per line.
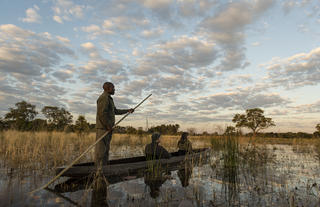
point(243, 167)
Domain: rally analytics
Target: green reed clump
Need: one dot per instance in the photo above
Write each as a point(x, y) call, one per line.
point(230, 168)
point(238, 160)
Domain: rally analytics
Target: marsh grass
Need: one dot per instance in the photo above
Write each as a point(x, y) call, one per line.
point(230, 168)
point(241, 163)
point(41, 150)
point(47, 150)
point(238, 164)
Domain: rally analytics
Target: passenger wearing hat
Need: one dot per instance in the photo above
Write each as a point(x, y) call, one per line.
point(154, 150)
point(184, 145)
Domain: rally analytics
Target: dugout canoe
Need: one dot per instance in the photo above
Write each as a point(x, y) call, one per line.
point(135, 166)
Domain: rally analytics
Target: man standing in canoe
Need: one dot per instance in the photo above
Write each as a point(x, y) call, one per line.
point(105, 120)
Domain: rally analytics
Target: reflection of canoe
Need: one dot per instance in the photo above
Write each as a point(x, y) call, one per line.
point(134, 166)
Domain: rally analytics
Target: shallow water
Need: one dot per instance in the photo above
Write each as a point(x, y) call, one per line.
point(291, 179)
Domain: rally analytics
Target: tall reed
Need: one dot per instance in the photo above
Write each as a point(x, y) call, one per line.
point(41, 150)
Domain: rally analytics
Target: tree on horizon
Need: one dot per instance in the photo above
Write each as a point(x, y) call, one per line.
point(81, 126)
point(253, 119)
point(58, 118)
point(22, 116)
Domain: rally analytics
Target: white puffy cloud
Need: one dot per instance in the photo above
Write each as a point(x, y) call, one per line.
point(123, 23)
point(239, 79)
point(93, 29)
point(307, 108)
point(88, 46)
point(66, 73)
point(278, 112)
point(160, 4)
point(32, 15)
point(175, 56)
point(153, 33)
point(227, 27)
point(295, 71)
point(66, 10)
point(63, 39)
point(31, 91)
point(136, 87)
point(192, 8)
point(163, 10)
point(28, 53)
point(29, 61)
point(57, 19)
point(239, 100)
point(99, 69)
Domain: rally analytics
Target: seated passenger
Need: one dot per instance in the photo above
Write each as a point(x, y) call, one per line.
point(154, 150)
point(184, 145)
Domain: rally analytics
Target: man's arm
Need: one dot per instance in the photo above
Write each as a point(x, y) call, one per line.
point(122, 111)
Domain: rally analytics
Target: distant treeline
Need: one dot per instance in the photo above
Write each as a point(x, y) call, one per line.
point(23, 118)
point(287, 135)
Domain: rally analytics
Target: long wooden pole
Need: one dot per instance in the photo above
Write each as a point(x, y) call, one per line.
point(89, 148)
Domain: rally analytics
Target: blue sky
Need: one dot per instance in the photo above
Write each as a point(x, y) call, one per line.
point(203, 61)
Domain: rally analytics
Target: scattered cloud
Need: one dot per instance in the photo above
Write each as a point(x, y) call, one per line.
point(93, 29)
point(193, 8)
point(124, 23)
point(63, 39)
point(28, 53)
point(29, 61)
point(227, 27)
point(238, 100)
point(308, 108)
point(88, 46)
point(65, 10)
point(57, 19)
point(240, 80)
point(153, 33)
point(176, 56)
point(66, 73)
point(32, 15)
point(278, 112)
point(289, 5)
point(296, 71)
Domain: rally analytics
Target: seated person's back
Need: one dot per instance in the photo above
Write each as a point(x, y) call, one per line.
point(154, 150)
point(184, 145)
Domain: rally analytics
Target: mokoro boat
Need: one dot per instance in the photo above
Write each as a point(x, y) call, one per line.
point(134, 166)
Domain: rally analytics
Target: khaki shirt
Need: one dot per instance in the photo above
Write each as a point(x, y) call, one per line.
point(106, 111)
